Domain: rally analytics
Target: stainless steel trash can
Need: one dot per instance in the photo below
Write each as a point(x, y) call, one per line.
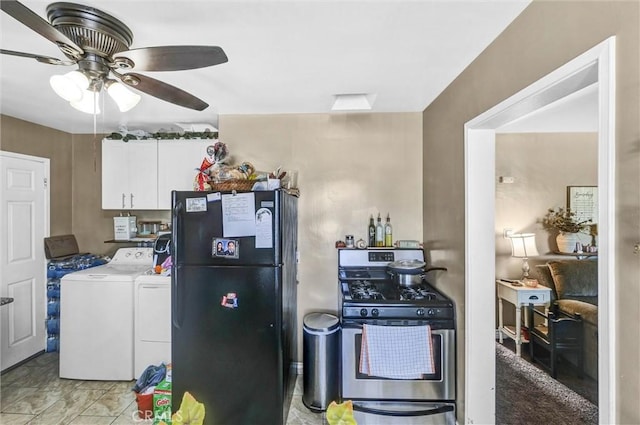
point(321, 360)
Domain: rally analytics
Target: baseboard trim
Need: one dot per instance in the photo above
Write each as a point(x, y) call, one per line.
point(21, 362)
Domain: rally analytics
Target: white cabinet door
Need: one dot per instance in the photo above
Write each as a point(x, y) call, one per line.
point(115, 174)
point(178, 164)
point(143, 174)
point(129, 174)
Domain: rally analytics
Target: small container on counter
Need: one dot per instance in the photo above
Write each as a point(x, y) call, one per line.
point(148, 228)
point(349, 241)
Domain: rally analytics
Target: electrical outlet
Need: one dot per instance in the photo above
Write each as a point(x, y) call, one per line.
point(507, 232)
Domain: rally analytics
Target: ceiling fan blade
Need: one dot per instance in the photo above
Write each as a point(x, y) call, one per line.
point(39, 58)
point(162, 90)
point(173, 58)
point(29, 18)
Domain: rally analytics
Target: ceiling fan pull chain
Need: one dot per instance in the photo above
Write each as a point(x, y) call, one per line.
point(95, 114)
point(95, 154)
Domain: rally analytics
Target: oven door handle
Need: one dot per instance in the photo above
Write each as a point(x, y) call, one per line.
point(435, 411)
point(349, 325)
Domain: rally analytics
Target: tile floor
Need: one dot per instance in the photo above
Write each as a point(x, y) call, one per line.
point(34, 394)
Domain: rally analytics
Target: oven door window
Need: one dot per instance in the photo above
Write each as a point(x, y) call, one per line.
point(436, 343)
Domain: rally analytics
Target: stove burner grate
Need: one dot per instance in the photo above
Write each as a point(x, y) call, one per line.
point(417, 293)
point(363, 290)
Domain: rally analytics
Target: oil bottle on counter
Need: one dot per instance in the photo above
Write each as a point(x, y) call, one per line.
point(388, 232)
point(379, 232)
point(372, 232)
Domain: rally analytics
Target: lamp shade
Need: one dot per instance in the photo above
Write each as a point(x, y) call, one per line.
point(523, 245)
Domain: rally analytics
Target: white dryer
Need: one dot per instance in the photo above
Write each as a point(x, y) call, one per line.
point(97, 318)
point(152, 324)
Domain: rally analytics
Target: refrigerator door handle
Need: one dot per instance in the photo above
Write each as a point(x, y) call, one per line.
point(176, 311)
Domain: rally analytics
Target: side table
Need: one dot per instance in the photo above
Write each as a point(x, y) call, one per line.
point(519, 296)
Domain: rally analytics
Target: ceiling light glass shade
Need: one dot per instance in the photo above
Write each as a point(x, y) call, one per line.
point(89, 102)
point(79, 78)
point(69, 86)
point(124, 98)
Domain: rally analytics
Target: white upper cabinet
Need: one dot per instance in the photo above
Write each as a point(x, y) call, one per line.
point(129, 174)
point(140, 174)
point(178, 165)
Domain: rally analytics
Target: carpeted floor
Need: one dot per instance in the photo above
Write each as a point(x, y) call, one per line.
point(586, 386)
point(527, 395)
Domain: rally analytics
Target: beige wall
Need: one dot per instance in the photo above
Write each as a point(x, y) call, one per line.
point(75, 180)
point(91, 225)
point(350, 166)
point(543, 165)
point(23, 137)
point(545, 36)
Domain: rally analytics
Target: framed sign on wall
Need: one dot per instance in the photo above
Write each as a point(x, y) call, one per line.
point(583, 200)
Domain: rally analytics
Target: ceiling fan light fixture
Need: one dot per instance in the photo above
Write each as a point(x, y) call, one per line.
point(124, 98)
point(89, 103)
point(90, 38)
point(69, 86)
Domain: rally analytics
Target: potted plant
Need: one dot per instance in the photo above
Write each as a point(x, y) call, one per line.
point(565, 222)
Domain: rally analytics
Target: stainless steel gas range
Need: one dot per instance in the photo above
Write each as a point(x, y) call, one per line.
point(372, 301)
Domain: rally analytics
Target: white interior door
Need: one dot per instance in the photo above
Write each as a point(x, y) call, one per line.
point(24, 223)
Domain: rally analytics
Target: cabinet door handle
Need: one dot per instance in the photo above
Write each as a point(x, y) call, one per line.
point(123, 200)
point(131, 194)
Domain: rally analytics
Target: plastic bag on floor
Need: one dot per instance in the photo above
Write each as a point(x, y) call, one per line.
point(151, 376)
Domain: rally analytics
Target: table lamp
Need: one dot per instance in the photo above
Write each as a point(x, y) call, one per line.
point(523, 245)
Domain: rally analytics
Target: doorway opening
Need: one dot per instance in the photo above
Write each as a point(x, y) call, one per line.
point(598, 63)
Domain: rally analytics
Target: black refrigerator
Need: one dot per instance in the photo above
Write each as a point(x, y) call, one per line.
point(233, 306)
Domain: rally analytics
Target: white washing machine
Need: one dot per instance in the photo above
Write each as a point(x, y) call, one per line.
point(97, 318)
point(152, 331)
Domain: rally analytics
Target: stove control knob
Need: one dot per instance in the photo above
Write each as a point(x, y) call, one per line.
point(375, 312)
point(363, 312)
point(420, 312)
point(431, 312)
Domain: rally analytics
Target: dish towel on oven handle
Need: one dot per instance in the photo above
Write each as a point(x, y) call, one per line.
point(397, 352)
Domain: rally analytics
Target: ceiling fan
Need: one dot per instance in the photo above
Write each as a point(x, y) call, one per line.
point(98, 44)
